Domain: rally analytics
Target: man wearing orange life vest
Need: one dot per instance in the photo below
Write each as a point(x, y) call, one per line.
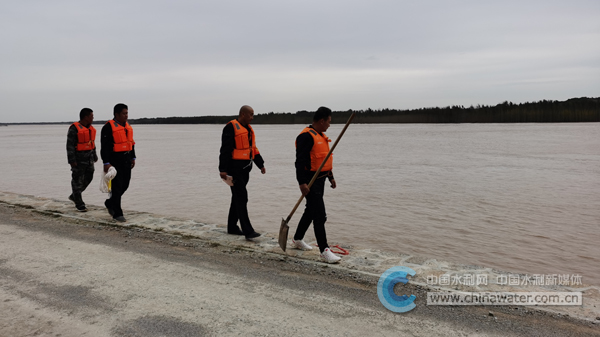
point(238, 152)
point(81, 155)
point(312, 146)
point(118, 150)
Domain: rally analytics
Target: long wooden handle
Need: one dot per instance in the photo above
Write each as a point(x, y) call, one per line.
point(312, 181)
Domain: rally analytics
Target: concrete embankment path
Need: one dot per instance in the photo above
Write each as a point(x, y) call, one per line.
point(64, 273)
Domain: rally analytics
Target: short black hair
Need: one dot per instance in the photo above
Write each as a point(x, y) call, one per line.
point(321, 113)
point(84, 113)
point(118, 108)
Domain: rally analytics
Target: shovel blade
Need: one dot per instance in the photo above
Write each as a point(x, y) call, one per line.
point(283, 234)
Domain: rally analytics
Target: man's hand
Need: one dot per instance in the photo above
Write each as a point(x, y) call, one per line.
point(73, 164)
point(304, 189)
point(263, 170)
point(132, 163)
point(333, 184)
point(106, 167)
point(223, 175)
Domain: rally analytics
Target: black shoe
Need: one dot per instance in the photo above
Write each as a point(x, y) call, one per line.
point(110, 211)
point(120, 219)
point(82, 208)
point(252, 236)
point(235, 231)
point(71, 198)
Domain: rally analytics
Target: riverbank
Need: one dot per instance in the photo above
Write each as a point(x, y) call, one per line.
point(361, 263)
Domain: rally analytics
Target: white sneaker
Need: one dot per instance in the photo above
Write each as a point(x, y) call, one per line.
point(329, 256)
point(300, 244)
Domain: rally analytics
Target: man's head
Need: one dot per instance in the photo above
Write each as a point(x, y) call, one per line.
point(121, 113)
point(246, 115)
point(86, 116)
point(322, 119)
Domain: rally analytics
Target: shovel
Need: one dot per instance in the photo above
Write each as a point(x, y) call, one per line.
point(284, 229)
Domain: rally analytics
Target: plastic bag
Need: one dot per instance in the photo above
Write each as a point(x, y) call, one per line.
point(106, 180)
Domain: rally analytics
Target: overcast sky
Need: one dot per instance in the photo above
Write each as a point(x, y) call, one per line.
point(197, 58)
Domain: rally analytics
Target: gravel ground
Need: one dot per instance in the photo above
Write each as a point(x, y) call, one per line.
point(62, 277)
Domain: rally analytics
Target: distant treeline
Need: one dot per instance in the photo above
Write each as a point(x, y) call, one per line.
point(572, 110)
point(582, 109)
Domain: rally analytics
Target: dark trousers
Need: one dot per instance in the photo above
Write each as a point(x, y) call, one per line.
point(238, 210)
point(81, 177)
point(315, 213)
point(119, 185)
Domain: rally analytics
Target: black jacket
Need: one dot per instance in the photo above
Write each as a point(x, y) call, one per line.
point(304, 143)
point(107, 143)
point(226, 162)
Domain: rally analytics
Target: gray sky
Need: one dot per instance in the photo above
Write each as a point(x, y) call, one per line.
point(197, 58)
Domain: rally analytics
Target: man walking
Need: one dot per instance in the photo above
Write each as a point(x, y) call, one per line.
point(238, 152)
point(81, 155)
point(118, 151)
point(312, 146)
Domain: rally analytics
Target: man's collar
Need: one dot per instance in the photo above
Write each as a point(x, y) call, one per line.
point(246, 126)
point(312, 127)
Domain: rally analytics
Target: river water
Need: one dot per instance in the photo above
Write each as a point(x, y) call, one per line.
point(517, 197)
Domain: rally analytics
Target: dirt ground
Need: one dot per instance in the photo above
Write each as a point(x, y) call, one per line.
point(61, 277)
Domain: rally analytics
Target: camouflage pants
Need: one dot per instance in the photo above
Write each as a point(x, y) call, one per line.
point(81, 177)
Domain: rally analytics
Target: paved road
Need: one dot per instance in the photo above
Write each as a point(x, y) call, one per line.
point(61, 278)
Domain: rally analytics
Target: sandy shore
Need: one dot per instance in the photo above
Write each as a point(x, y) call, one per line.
point(74, 274)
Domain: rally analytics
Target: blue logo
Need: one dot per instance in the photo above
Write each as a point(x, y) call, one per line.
point(385, 289)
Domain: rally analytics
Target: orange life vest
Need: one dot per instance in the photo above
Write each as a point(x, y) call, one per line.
point(122, 136)
point(243, 149)
point(86, 137)
point(319, 151)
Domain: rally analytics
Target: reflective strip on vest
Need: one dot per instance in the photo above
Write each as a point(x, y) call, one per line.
point(319, 151)
point(86, 137)
point(243, 150)
point(122, 136)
